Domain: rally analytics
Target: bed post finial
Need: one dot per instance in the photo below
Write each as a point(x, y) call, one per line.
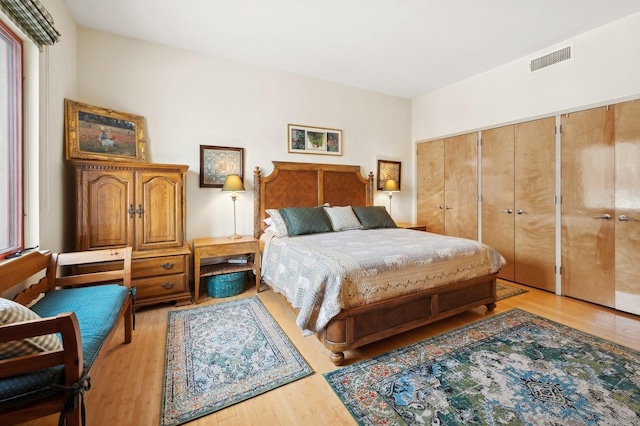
point(371, 188)
point(256, 202)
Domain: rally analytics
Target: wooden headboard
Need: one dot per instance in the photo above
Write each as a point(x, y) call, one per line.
point(308, 185)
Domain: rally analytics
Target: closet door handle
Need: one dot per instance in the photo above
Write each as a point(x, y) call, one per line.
point(441, 207)
point(507, 211)
point(520, 211)
point(131, 211)
point(624, 218)
point(605, 216)
point(139, 210)
point(449, 208)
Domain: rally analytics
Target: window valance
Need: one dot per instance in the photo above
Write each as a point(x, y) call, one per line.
point(33, 19)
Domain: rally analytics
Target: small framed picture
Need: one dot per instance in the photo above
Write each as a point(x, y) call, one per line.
point(388, 170)
point(216, 162)
point(96, 133)
point(314, 140)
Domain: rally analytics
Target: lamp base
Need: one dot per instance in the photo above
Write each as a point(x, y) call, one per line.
point(234, 236)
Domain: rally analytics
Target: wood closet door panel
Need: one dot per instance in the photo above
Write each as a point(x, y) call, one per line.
point(160, 195)
point(588, 238)
point(107, 198)
point(461, 186)
point(627, 193)
point(535, 200)
point(430, 185)
point(498, 214)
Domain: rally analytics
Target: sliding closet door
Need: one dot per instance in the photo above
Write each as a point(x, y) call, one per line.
point(497, 195)
point(627, 193)
point(430, 185)
point(588, 205)
point(535, 203)
point(461, 186)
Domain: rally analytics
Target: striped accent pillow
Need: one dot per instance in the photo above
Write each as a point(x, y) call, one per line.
point(12, 312)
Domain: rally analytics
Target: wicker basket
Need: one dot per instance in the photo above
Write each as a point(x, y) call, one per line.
point(226, 285)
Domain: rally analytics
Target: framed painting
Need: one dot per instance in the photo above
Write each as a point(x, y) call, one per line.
point(313, 140)
point(216, 162)
point(388, 170)
point(96, 133)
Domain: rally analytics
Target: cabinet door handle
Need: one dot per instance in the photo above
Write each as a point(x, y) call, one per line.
point(449, 208)
point(440, 207)
point(507, 211)
point(167, 265)
point(168, 285)
point(605, 216)
point(139, 210)
point(625, 218)
point(131, 211)
point(520, 211)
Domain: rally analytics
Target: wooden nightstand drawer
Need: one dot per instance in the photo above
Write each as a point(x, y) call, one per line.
point(160, 286)
point(167, 265)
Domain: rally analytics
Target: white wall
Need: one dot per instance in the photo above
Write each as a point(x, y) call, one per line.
point(605, 69)
point(57, 81)
point(190, 99)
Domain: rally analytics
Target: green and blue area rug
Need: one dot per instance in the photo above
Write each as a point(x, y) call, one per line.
point(513, 368)
point(219, 355)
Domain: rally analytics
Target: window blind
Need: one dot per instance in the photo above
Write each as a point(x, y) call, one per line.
point(33, 19)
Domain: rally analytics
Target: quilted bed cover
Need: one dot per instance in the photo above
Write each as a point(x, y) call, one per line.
point(322, 274)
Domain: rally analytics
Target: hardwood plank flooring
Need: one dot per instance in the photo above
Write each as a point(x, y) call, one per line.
point(127, 379)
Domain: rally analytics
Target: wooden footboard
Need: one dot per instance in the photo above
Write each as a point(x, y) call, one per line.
point(366, 324)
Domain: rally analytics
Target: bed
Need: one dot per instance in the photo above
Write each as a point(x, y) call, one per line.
point(370, 302)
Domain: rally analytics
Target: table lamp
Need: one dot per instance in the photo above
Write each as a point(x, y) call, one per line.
point(390, 186)
point(233, 184)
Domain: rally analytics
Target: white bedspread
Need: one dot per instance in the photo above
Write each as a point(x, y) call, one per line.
point(321, 274)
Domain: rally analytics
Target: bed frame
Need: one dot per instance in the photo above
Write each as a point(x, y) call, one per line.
point(308, 185)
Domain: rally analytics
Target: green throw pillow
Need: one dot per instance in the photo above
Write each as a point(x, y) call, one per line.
point(374, 217)
point(305, 220)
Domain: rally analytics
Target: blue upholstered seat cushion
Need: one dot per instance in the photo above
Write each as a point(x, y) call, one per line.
point(97, 310)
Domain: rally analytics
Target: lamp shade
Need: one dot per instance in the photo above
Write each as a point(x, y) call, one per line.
point(390, 185)
point(233, 183)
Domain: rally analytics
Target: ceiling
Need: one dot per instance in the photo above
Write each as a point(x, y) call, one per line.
point(403, 48)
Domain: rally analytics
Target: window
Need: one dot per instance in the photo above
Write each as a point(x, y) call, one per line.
point(11, 187)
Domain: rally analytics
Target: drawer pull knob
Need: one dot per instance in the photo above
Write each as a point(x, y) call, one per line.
point(167, 265)
point(168, 285)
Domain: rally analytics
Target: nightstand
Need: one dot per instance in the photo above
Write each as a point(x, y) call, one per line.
point(412, 226)
point(224, 246)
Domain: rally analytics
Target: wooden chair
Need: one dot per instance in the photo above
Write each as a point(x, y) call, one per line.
point(15, 271)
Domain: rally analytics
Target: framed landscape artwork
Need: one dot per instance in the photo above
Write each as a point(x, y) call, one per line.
point(314, 140)
point(388, 170)
point(96, 133)
point(216, 162)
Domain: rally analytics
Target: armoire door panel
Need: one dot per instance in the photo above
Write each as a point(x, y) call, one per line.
point(535, 203)
point(497, 195)
point(627, 199)
point(430, 185)
point(160, 224)
point(588, 206)
point(461, 186)
point(109, 196)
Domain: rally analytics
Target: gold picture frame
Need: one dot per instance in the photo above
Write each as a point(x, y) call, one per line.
point(313, 140)
point(96, 133)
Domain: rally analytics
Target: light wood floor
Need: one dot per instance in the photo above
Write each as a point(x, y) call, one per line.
point(127, 379)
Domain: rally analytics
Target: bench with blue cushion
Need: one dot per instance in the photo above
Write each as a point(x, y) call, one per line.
point(82, 311)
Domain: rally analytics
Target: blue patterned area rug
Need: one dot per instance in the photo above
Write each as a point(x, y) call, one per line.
point(513, 368)
point(219, 355)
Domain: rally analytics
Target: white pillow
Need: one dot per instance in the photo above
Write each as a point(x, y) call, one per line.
point(278, 223)
point(342, 218)
point(12, 312)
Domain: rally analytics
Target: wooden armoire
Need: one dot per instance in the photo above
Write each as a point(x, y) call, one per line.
point(141, 205)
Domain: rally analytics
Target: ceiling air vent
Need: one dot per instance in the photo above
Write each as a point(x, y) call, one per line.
point(551, 59)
